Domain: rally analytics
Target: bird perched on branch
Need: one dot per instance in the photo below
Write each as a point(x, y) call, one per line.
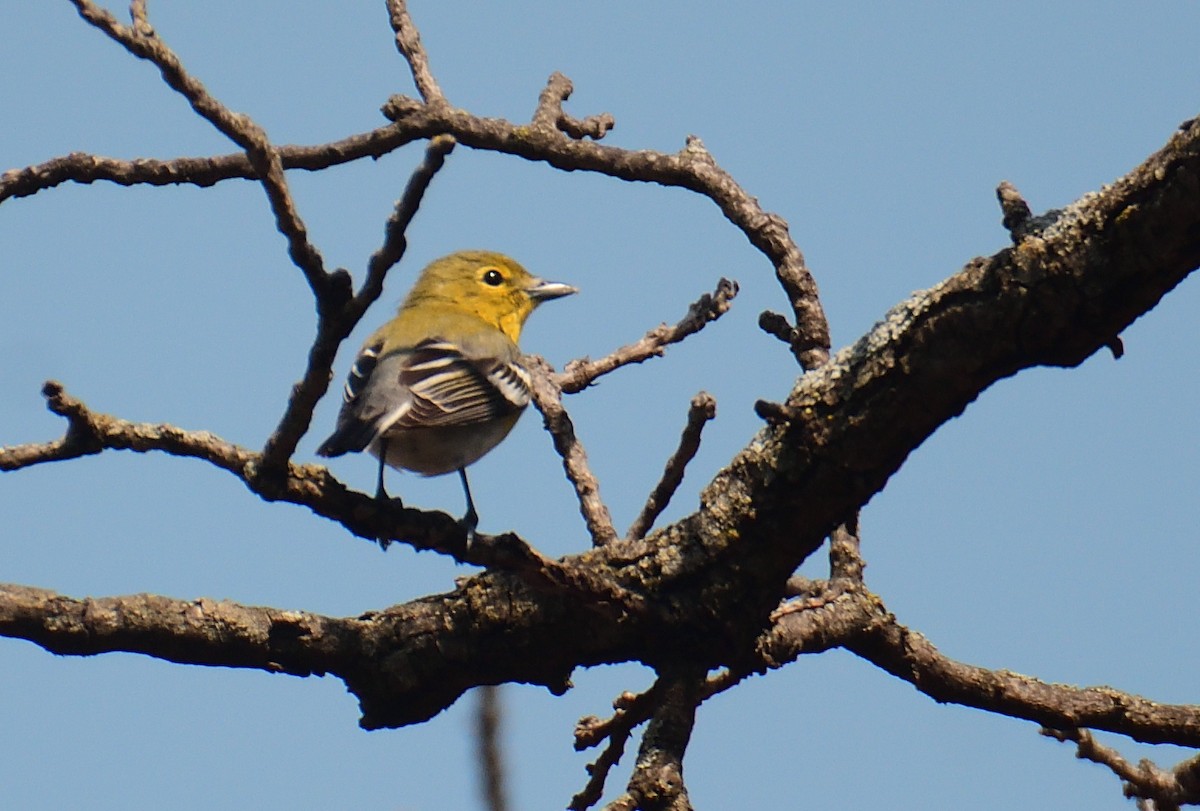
point(441, 384)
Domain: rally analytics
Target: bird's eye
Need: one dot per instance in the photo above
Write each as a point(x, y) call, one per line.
point(492, 277)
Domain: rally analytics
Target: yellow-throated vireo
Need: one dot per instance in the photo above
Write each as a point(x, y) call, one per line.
point(441, 384)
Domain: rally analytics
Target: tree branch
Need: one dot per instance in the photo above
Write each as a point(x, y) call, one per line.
point(199, 632)
point(339, 314)
point(90, 432)
point(845, 555)
point(490, 752)
point(549, 114)
point(717, 573)
point(911, 657)
point(631, 710)
point(547, 397)
point(408, 42)
point(657, 781)
point(142, 41)
point(1168, 789)
point(81, 167)
point(702, 409)
point(581, 373)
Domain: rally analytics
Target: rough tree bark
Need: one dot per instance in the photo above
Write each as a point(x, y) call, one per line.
point(712, 591)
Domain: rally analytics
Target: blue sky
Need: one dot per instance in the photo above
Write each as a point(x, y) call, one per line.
point(1049, 530)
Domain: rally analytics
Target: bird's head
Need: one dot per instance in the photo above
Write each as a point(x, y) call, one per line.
point(494, 287)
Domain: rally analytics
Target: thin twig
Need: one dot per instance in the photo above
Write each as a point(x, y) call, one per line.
point(395, 241)
point(913, 658)
point(657, 780)
point(1168, 789)
point(691, 168)
point(91, 432)
point(143, 42)
point(408, 42)
point(491, 761)
point(579, 374)
point(549, 114)
point(1015, 210)
point(547, 397)
point(631, 710)
point(338, 316)
point(776, 324)
point(703, 408)
point(82, 167)
point(312, 486)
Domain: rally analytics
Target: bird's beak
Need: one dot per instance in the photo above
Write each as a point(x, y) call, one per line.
point(541, 290)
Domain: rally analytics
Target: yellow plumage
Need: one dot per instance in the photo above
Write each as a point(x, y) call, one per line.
point(440, 385)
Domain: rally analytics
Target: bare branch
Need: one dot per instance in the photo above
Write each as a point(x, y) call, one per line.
point(911, 657)
point(702, 409)
point(1015, 209)
point(489, 751)
point(549, 114)
point(339, 314)
point(395, 242)
point(547, 397)
point(631, 710)
point(845, 556)
point(143, 42)
point(200, 632)
point(1168, 789)
point(691, 168)
point(137, 13)
point(579, 374)
point(657, 780)
point(408, 42)
point(843, 614)
point(776, 324)
point(81, 167)
point(90, 432)
point(424, 669)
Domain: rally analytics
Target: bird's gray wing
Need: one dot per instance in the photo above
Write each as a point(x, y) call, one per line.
point(431, 385)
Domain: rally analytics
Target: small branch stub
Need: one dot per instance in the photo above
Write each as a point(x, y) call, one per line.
point(1015, 209)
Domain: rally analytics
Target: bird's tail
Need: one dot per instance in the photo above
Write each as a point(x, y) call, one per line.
point(351, 435)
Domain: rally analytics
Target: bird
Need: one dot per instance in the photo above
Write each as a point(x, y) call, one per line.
point(441, 384)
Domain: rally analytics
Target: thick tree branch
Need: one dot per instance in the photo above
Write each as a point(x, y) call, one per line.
point(702, 589)
point(200, 632)
point(717, 574)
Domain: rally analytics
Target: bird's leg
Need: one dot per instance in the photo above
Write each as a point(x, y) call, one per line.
point(471, 519)
point(380, 492)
